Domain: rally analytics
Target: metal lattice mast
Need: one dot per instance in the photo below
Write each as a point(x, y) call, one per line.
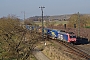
point(42, 23)
point(78, 25)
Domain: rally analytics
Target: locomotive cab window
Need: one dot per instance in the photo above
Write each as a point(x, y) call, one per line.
point(72, 36)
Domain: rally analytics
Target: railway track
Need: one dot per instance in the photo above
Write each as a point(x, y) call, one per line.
point(74, 50)
point(77, 51)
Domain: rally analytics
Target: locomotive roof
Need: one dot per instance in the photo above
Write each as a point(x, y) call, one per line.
point(63, 33)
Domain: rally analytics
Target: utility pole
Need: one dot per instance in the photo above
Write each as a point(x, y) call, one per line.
point(78, 25)
point(42, 24)
point(24, 14)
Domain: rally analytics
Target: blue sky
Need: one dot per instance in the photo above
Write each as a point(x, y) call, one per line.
point(52, 7)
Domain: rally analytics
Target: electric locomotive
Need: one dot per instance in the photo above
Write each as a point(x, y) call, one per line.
point(59, 35)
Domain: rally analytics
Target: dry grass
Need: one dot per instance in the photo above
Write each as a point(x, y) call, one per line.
point(55, 53)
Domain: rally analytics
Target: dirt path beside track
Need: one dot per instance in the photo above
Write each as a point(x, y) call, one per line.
point(39, 55)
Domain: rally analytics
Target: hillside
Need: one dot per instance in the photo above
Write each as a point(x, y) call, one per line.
point(53, 18)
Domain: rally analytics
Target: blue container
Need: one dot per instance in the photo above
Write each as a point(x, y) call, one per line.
point(54, 33)
point(62, 36)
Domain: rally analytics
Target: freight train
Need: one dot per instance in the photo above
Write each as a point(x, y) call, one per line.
point(55, 34)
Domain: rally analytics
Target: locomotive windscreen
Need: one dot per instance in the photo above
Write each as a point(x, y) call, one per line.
point(72, 36)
